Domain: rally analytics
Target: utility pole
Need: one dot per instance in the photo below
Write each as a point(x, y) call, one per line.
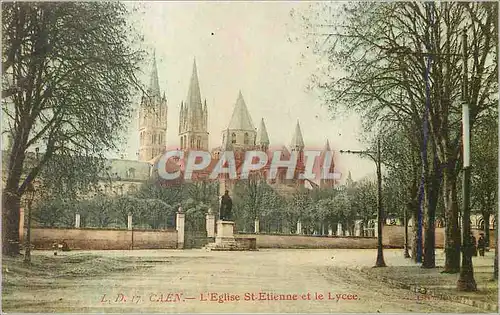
point(466, 281)
point(376, 157)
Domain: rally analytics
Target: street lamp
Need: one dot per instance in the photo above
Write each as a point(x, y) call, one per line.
point(376, 157)
point(30, 196)
point(30, 189)
point(466, 281)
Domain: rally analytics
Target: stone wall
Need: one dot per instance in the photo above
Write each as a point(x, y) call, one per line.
point(393, 236)
point(308, 241)
point(85, 238)
point(44, 238)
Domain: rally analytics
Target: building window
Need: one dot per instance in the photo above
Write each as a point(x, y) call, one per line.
point(245, 140)
point(198, 143)
point(182, 142)
point(233, 138)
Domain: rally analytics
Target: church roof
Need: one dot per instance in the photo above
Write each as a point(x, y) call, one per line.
point(297, 140)
point(241, 120)
point(154, 86)
point(262, 136)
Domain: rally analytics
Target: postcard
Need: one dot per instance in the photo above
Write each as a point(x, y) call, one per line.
point(250, 157)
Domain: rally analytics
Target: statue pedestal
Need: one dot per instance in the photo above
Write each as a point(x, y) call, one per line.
point(225, 236)
point(225, 240)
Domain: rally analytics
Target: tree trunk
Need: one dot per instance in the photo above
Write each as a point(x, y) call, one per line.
point(407, 209)
point(495, 263)
point(10, 223)
point(432, 195)
point(414, 230)
point(452, 260)
point(486, 230)
point(11, 195)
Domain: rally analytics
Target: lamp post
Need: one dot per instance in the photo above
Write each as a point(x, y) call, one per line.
point(466, 280)
point(27, 250)
point(31, 196)
point(376, 157)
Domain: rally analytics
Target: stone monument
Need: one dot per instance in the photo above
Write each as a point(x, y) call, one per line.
point(225, 225)
point(224, 239)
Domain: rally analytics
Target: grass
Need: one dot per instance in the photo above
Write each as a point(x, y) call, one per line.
point(45, 271)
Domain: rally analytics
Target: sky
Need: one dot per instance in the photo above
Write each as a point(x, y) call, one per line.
point(252, 47)
point(244, 46)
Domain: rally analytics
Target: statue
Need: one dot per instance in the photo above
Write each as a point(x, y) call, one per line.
point(226, 206)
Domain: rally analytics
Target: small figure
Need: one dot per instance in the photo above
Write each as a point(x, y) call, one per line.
point(473, 244)
point(481, 244)
point(65, 247)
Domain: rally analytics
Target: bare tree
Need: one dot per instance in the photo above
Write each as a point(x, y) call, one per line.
point(68, 73)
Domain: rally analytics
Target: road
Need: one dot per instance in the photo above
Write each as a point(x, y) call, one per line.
point(193, 281)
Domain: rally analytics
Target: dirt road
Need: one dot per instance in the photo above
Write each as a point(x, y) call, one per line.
point(305, 281)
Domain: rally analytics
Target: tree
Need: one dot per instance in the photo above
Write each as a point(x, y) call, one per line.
point(392, 63)
point(484, 157)
point(68, 76)
point(363, 201)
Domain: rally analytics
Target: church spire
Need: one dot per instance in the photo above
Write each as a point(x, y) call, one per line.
point(327, 146)
point(262, 136)
point(241, 120)
point(193, 125)
point(297, 140)
point(194, 96)
point(154, 86)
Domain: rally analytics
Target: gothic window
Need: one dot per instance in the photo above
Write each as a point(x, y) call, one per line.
point(185, 142)
point(198, 143)
point(182, 142)
point(245, 140)
point(233, 138)
point(192, 143)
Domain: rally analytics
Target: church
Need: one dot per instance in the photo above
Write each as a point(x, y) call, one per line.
point(239, 136)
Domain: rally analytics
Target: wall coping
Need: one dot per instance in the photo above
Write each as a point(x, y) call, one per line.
point(303, 235)
point(103, 229)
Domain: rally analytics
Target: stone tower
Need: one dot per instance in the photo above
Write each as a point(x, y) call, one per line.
point(240, 134)
point(152, 119)
point(193, 118)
